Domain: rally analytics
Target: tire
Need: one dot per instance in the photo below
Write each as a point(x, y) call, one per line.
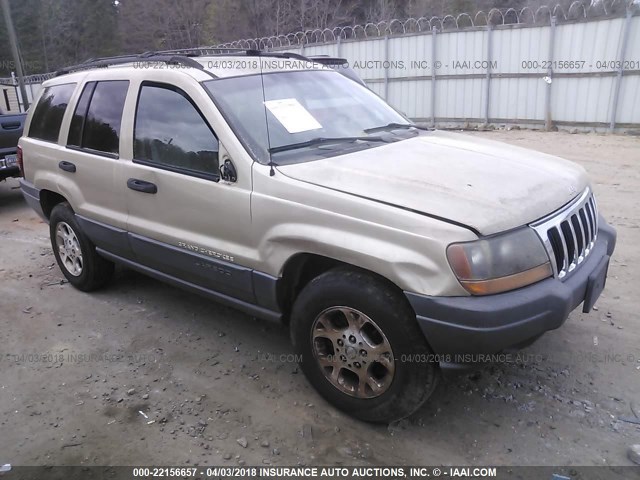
point(75, 253)
point(390, 374)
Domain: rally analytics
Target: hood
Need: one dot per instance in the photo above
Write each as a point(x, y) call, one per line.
point(486, 185)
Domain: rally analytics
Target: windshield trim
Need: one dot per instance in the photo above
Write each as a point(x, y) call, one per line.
point(270, 72)
point(225, 116)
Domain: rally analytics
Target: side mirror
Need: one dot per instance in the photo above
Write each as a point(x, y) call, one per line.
point(228, 171)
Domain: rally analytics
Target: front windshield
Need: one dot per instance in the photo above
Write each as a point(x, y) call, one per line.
point(300, 106)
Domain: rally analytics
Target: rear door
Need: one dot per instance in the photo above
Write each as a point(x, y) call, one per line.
point(90, 167)
point(183, 220)
point(41, 145)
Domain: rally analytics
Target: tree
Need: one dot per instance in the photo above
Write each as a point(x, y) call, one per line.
point(73, 31)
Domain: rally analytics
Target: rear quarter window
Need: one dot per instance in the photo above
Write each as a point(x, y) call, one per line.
point(47, 117)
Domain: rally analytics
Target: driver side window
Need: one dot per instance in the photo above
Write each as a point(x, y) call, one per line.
point(171, 133)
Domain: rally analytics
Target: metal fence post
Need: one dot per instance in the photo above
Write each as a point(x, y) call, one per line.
point(433, 76)
point(487, 92)
point(15, 50)
point(548, 121)
point(386, 67)
point(621, 55)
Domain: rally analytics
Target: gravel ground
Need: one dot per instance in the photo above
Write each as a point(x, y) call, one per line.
point(142, 373)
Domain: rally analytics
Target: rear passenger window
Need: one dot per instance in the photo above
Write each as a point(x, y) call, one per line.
point(171, 133)
point(101, 130)
point(47, 117)
point(77, 122)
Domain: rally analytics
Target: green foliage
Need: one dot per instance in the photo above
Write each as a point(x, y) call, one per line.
point(54, 33)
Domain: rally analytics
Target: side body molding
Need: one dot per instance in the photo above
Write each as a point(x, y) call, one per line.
point(236, 286)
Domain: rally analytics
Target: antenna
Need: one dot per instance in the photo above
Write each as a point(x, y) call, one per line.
point(272, 170)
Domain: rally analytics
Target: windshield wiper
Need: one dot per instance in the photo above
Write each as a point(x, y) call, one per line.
point(322, 140)
point(394, 126)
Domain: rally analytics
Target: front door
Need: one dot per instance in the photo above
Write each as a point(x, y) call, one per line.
point(183, 220)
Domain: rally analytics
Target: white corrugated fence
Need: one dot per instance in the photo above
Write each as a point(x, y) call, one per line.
point(549, 72)
point(547, 68)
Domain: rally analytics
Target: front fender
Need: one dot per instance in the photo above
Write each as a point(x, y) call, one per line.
point(406, 267)
point(407, 248)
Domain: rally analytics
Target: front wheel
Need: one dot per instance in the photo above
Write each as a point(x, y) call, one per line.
point(361, 346)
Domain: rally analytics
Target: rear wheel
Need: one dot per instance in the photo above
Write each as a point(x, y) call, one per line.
point(361, 346)
point(75, 253)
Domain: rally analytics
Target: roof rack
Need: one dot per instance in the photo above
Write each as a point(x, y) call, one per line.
point(201, 51)
point(123, 59)
point(183, 56)
point(216, 51)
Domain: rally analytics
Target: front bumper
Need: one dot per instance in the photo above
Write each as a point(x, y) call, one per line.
point(491, 324)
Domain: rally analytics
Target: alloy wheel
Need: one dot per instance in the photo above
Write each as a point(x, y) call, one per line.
point(69, 249)
point(353, 352)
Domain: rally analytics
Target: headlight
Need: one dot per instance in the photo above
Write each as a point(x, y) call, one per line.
point(500, 263)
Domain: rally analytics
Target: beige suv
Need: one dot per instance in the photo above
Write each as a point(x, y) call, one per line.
point(275, 185)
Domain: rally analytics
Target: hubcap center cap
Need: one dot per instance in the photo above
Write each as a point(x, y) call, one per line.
point(351, 353)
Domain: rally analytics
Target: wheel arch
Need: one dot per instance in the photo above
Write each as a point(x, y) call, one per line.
point(301, 268)
point(48, 200)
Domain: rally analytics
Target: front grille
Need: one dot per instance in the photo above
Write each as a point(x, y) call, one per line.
point(570, 233)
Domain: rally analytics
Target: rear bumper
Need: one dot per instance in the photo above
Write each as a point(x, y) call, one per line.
point(7, 172)
point(8, 151)
point(491, 324)
point(31, 195)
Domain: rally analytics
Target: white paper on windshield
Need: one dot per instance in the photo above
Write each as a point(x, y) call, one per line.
point(293, 116)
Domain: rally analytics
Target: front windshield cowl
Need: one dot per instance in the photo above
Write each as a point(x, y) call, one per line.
point(298, 107)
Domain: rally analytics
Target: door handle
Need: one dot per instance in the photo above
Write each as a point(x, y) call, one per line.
point(141, 186)
point(67, 167)
point(11, 125)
